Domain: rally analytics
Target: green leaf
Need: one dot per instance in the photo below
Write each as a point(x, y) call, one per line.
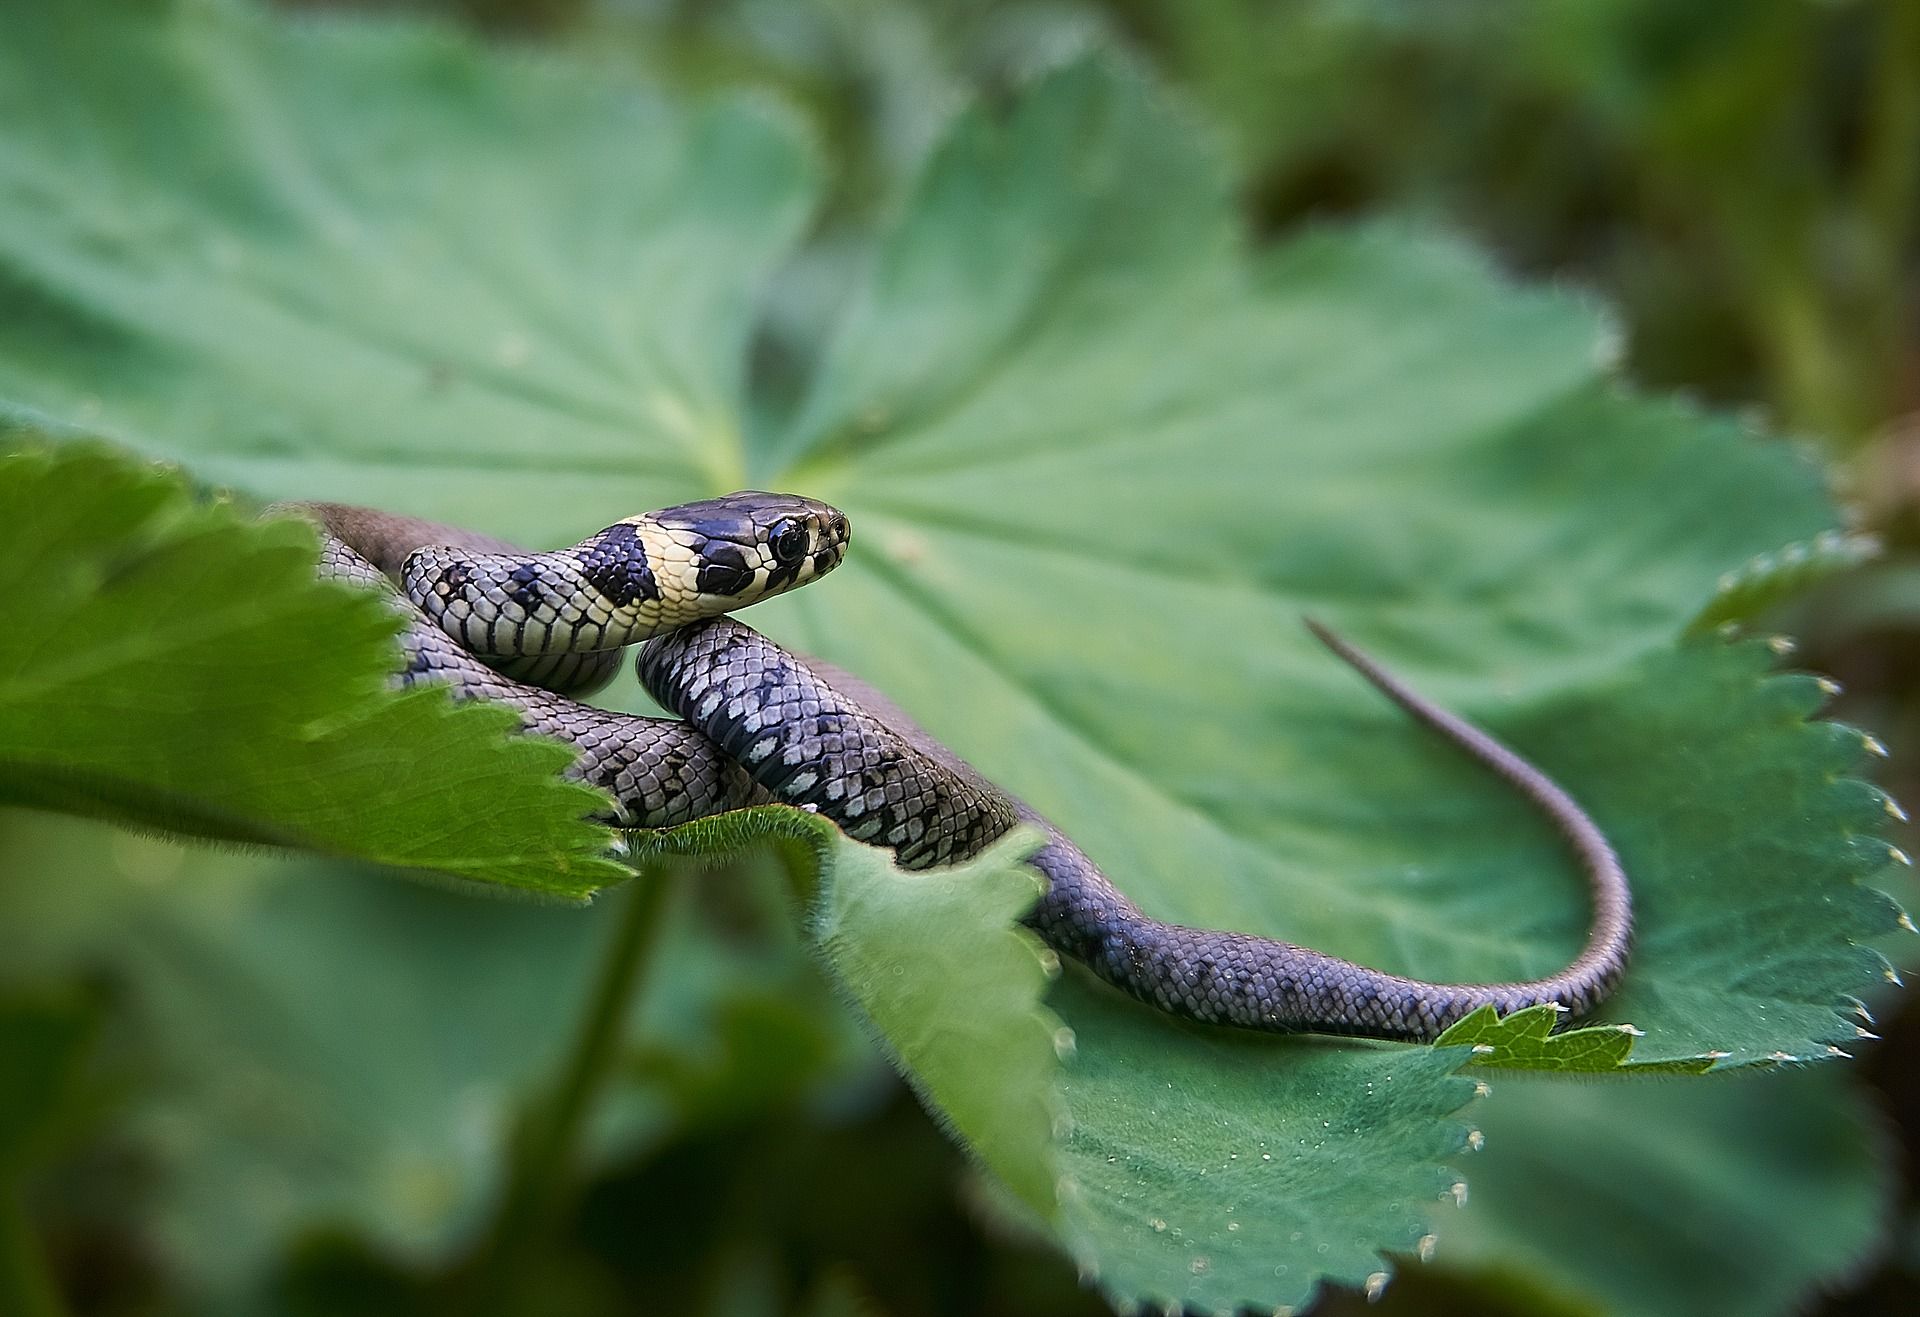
point(186, 671)
point(1193, 452)
point(1099, 459)
point(1215, 1169)
point(1525, 1040)
point(1752, 920)
point(954, 994)
point(370, 262)
point(1764, 581)
point(1727, 1195)
point(933, 962)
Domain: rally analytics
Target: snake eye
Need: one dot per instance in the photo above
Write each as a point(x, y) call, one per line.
point(789, 540)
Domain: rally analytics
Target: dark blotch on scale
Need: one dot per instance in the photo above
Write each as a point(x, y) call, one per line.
point(617, 567)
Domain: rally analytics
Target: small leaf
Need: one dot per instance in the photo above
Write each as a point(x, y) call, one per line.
point(934, 962)
point(953, 991)
point(1524, 1041)
point(1771, 578)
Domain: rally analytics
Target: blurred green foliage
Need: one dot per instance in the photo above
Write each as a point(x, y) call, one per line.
point(1737, 177)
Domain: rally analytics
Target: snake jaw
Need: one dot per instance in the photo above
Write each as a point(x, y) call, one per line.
point(769, 555)
point(752, 544)
point(832, 543)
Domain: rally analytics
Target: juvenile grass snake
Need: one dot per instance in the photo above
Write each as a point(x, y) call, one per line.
point(762, 725)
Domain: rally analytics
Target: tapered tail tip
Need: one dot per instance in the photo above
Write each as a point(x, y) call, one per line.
point(1325, 634)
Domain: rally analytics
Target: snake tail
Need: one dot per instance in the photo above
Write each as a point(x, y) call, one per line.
point(824, 740)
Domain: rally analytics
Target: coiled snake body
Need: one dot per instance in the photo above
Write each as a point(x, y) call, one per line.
point(763, 725)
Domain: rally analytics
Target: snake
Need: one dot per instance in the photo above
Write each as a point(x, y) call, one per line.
point(758, 724)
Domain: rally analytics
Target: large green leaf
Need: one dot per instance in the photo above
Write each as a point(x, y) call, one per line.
point(1193, 451)
point(1099, 459)
point(362, 261)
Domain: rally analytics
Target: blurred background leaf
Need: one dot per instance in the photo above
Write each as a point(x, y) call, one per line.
point(45, 1040)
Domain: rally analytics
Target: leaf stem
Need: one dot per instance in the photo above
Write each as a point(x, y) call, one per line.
point(542, 1171)
point(26, 1286)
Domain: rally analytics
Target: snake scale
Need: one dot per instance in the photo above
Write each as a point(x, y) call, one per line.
point(759, 724)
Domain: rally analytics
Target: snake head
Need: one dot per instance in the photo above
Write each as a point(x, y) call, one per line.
point(752, 545)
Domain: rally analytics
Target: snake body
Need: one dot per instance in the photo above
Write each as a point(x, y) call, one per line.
point(659, 772)
point(762, 724)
